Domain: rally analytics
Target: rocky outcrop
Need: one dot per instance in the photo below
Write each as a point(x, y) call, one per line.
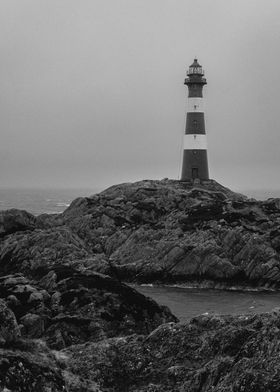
point(30, 252)
point(168, 231)
point(25, 365)
point(68, 307)
point(50, 300)
point(15, 220)
point(156, 231)
point(210, 353)
point(9, 330)
point(30, 366)
point(61, 307)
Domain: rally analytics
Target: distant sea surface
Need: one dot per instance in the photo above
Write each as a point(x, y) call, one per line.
point(53, 201)
point(39, 201)
point(260, 194)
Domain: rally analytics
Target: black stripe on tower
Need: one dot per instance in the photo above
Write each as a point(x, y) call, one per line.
point(195, 90)
point(195, 165)
point(195, 123)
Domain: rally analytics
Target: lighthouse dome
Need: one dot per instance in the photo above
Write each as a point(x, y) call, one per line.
point(195, 64)
point(195, 68)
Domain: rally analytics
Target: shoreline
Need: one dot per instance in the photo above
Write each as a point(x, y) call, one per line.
point(212, 286)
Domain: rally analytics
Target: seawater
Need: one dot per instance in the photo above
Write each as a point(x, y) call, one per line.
point(187, 303)
point(39, 201)
point(261, 194)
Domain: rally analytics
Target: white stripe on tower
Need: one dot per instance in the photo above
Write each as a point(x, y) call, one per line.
point(195, 142)
point(195, 105)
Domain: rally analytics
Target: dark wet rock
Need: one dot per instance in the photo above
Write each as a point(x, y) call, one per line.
point(90, 306)
point(12, 221)
point(153, 231)
point(9, 330)
point(156, 231)
point(79, 306)
point(65, 307)
point(210, 353)
point(33, 325)
point(25, 365)
point(31, 252)
point(168, 231)
point(30, 367)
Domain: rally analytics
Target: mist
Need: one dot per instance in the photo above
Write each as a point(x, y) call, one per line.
point(92, 92)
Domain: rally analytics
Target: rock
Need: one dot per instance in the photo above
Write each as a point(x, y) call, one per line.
point(12, 221)
point(30, 366)
point(221, 353)
point(79, 306)
point(12, 301)
point(32, 253)
point(90, 306)
point(33, 325)
point(9, 330)
point(155, 231)
point(168, 231)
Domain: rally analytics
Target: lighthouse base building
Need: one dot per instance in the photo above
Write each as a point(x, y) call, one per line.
point(195, 165)
point(195, 162)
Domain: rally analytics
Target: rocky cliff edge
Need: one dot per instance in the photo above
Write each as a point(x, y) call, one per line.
point(167, 231)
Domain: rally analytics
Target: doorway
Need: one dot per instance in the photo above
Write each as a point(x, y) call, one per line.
point(194, 172)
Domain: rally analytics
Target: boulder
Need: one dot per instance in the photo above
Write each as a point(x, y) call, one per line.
point(12, 221)
point(9, 329)
point(79, 306)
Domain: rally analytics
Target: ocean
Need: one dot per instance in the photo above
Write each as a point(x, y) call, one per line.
point(39, 201)
point(260, 194)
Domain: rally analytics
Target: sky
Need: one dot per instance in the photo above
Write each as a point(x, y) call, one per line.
point(92, 93)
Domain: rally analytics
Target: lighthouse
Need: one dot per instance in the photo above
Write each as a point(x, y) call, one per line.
point(195, 163)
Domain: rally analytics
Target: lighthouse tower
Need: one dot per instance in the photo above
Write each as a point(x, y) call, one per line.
point(195, 164)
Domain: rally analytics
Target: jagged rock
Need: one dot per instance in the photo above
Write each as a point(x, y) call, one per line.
point(79, 306)
point(33, 325)
point(30, 367)
point(15, 220)
point(155, 231)
point(210, 353)
point(35, 251)
point(90, 306)
point(168, 231)
point(9, 330)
